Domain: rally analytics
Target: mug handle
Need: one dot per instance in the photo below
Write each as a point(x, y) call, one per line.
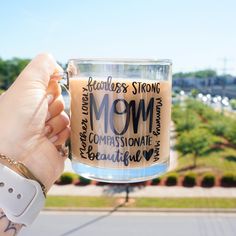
point(64, 83)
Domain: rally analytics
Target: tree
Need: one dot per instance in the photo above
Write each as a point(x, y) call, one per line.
point(231, 132)
point(186, 118)
point(197, 74)
point(194, 93)
point(233, 103)
point(9, 70)
point(205, 74)
point(196, 142)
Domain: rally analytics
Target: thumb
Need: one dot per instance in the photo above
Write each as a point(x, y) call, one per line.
point(39, 70)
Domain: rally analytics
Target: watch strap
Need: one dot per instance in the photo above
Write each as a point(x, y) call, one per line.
point(21, 199)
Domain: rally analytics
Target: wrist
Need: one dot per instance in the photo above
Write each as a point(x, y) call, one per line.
point(43, 163)
point(21, 169)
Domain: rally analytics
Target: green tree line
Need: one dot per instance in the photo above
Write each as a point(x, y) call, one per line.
point(9, 70)
point(197, 74)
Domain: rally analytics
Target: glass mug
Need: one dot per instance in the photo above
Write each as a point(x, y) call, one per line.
point(120, 112)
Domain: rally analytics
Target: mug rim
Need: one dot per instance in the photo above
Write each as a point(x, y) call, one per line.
point(133, 61)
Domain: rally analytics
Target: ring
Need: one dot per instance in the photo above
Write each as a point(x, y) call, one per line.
point(63, 150)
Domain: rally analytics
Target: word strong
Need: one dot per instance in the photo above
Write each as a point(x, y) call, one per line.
point(131, 111)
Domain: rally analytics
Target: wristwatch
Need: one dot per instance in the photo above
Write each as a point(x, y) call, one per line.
point(21, 199)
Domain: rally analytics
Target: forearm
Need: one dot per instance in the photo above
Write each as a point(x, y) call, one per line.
point(8, 228)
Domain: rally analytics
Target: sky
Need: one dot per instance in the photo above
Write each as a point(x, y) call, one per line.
point(194, 34)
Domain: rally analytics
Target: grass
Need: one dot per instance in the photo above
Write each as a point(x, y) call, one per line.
point(186, 202)
point(218, 161)
point(72, 201)
point(101, 202)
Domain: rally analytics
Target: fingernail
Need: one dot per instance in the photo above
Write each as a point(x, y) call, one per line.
point(53, 139)
point(57, 76)
point(47, 130)
point(48, 116)
point(49, 98)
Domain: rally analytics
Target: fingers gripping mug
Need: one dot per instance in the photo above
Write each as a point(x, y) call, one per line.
point(120, 118)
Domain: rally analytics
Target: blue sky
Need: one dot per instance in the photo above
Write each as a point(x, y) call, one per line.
point(195, 34)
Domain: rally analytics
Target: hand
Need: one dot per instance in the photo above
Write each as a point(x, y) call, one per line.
point(32, 120)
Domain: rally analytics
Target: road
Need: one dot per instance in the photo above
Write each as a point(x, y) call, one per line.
point(132, 224)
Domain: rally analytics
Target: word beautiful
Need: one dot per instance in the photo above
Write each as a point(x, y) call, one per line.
point(117, 123)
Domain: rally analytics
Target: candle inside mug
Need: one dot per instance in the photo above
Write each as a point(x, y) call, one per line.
point(120, 123)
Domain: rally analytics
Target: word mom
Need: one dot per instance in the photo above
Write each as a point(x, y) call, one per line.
point(133, 111)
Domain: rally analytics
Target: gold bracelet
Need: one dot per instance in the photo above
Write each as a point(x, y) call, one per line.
point(23, 170)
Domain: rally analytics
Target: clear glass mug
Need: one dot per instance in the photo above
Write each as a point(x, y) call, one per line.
point(120, 113)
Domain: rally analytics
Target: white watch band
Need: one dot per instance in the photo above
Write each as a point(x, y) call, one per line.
point(21, 199)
